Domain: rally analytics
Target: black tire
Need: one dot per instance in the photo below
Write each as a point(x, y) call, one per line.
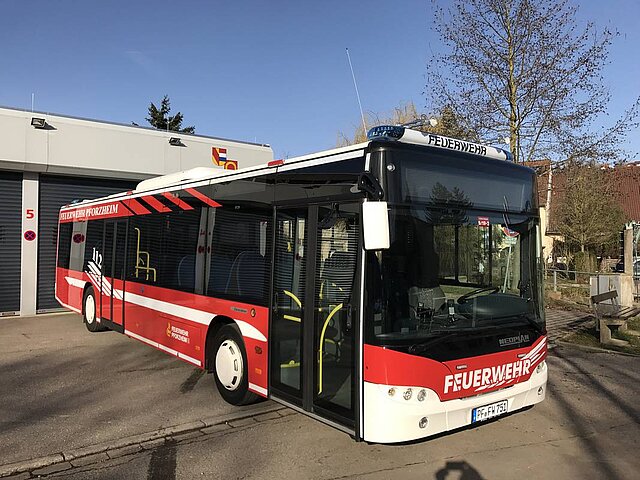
point(89, 311)
point(228, 361)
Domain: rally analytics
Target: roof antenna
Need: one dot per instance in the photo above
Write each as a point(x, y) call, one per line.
point(364, 124)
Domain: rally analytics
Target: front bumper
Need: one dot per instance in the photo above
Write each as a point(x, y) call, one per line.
point(391, 418)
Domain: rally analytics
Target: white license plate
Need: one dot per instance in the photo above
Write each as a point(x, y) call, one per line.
point(489, 411)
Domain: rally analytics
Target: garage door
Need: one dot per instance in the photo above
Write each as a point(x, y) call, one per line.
point(10, 242)
point(55, 192)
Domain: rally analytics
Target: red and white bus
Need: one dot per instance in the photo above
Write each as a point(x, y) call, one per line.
point(391, 289)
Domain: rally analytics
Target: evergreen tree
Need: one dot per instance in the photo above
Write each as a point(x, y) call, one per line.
point(159, 118)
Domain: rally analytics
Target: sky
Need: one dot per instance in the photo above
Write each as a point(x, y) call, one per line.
point(272, 72)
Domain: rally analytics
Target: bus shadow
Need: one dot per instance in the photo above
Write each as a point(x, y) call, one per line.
point(459, 470)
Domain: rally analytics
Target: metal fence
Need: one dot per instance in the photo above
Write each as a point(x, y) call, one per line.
point(569, 281)
point(577, 284)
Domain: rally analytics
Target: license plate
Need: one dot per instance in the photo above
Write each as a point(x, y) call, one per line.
point(489, 411)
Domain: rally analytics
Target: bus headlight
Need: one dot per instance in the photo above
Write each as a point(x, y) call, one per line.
point(424, 421)
point(392, 392)
point(541, 366)
point(422, 394)
point(407, 394)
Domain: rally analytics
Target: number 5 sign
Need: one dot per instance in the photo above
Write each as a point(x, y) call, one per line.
point(31, 213)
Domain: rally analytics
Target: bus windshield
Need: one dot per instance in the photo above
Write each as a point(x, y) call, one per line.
point(450, 179)
point(463, 257)
point(444, 274)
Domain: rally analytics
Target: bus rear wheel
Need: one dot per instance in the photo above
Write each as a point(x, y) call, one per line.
point(230, 366)
point(89, 311)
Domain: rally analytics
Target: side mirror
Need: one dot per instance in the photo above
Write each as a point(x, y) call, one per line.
point(375, 225)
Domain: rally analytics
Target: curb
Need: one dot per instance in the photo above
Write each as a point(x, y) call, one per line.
point(146, 441)
point(587, 348)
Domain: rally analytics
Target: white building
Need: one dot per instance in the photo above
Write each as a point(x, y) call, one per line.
point(47, 161)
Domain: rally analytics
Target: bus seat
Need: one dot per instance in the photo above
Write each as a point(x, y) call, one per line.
point(247, 277)
point(337, 276)
point(219, 271)
point(187, 273)
point(284, 272)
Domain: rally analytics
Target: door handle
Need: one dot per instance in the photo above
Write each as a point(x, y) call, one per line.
point(348, 324)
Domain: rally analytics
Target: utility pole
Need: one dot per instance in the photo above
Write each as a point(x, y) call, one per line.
point(628, 249)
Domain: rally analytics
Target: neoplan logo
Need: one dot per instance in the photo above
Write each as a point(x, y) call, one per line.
point(515, 340)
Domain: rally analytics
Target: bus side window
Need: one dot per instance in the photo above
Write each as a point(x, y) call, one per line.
point(78, 241)
point(163, 250)
point(240, 252)
point(64, 244)
point(145, 237)
point(142, 260)
point(93, 241)
point(181, 232)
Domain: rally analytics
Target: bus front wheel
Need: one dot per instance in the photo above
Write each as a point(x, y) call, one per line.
point(89, 311)
point(230, 366)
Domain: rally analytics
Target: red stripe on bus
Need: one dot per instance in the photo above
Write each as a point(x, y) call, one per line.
point(93, 212)
point(183, 205)
point(155, 203)
point(137, 207)
point(204, 198)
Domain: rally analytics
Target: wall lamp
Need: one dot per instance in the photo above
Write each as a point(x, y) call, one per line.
point(38, 122)
point(176, 142)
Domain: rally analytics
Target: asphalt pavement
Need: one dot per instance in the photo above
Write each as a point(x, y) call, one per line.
point(63, 388)
point(69, 389)
point(588, 428)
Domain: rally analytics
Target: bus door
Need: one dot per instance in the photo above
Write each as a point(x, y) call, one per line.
point(289, 287)
point(113, 271)
point(314, 310)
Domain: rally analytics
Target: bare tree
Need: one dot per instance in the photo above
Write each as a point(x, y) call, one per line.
point(446, 123)
point(449, 124)
point(588, 216)
point(402, 114)
point(525, 70)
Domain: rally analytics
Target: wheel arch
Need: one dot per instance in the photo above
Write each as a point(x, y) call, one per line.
point(214, 327)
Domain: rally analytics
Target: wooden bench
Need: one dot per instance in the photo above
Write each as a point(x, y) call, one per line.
point(611, 316)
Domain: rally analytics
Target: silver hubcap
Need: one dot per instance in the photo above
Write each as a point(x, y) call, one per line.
point(90, 309)
point(229, 365)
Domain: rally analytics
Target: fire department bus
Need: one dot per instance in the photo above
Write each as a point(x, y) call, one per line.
point(391, 289)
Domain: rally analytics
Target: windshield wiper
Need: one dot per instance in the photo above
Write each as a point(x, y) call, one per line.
point(429, 342)
point(536, 326)
point(442, 335)
point(513, 318)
